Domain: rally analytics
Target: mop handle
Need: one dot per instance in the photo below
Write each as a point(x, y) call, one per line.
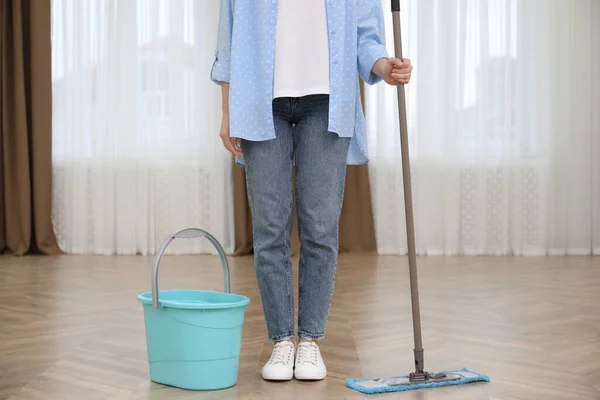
point(408, 206)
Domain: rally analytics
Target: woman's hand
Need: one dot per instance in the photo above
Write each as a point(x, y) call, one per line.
point(229, 142)
point(393, 71)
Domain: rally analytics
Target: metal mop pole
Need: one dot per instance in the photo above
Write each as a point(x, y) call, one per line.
point(419, 374)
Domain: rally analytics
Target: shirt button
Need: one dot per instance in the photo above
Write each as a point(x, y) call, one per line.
point(332, 32)
point(334, 61)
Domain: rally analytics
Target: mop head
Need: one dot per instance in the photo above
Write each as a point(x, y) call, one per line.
point(402, 383)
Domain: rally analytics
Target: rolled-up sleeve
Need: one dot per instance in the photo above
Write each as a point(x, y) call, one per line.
point(221, 66)
point(371, 38)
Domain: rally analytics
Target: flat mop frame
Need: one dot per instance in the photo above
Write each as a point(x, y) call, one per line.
point(420, 379)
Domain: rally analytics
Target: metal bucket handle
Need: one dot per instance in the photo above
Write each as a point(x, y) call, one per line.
point(190, 233)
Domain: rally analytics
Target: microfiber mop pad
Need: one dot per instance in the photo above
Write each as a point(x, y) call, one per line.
point(402, 383)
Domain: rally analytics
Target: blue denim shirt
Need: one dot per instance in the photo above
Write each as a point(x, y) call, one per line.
point(245, 59)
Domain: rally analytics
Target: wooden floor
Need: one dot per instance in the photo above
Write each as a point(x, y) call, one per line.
point(71, 328)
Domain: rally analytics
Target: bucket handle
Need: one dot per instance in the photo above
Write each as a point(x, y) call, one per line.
point(189, 233)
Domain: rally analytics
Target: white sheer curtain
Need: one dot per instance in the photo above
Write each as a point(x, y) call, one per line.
point(136, 148)
point(504, 124)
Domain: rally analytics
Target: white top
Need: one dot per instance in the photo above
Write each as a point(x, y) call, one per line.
point(301, 49)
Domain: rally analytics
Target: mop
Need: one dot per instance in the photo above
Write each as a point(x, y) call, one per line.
point(420, 379)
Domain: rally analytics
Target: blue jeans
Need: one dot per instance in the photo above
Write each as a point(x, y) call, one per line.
point(319, 158)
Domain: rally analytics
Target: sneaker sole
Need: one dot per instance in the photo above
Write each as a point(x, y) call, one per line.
point(278, 378)
point(311, 377)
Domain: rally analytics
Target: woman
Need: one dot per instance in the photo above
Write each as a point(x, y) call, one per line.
point(291, 99)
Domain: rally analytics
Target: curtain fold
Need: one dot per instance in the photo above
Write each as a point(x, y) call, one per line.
point(503, 129)
point(357, 229)
point(26, 128)
point(243, 215)
point(136, 149)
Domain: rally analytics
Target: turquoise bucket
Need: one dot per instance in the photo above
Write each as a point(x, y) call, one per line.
point(193, 337)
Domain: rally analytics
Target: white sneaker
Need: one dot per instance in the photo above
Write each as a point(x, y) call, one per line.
point(309, 363)
point(280, 366)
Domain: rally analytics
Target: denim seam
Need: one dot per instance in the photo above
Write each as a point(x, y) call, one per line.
point(311, 336)
point(293, 104)
point(300, 267)
point(337, 245)
point(249, 193)
point(279, 338)
point(289, 282)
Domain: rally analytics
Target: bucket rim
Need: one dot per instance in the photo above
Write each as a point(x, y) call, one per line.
point(242, 301)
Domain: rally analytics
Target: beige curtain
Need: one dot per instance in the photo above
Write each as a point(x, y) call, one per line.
point(242, 214)
point(26, 128)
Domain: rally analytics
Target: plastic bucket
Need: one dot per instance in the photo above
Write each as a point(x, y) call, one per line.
point(193, 337)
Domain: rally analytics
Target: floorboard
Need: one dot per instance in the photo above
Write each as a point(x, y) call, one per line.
point(71, 327)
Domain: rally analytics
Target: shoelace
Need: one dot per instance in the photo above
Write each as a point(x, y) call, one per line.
point(281, 353)
point(307, 353)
